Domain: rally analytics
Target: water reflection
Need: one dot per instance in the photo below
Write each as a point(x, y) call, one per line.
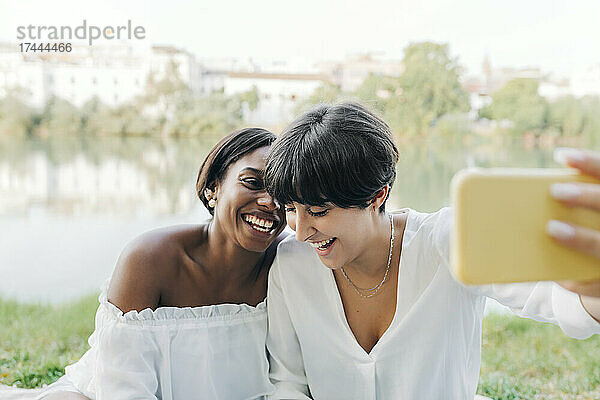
point(426, 167)
point(76, 177)
point(152, 178)
point(69, 205)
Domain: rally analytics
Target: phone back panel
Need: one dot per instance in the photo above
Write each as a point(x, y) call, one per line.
point(499, 232)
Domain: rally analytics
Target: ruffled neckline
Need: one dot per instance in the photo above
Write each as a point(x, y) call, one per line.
point(225, 311)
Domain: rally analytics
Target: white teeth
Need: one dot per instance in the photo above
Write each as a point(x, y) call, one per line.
point(322, 243)
point(257, 223)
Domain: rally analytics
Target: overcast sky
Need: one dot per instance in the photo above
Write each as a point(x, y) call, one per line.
point(558, 36)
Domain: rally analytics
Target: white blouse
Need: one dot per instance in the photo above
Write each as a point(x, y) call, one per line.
point(432, 348)
point(208, 352)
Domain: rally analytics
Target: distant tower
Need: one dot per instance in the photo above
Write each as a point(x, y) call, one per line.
point(486, 67)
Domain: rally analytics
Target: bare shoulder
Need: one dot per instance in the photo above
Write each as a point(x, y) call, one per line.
point(145, 265)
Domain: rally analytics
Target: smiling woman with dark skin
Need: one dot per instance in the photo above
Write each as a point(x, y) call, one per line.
point(184, 315)
point(225, 258)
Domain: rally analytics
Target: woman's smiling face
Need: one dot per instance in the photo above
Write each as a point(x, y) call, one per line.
point(335, 233)
point(244, 210)
point(333, 167)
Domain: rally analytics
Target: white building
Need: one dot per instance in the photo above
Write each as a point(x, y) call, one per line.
point(18, 72)
point(278, 93)
point(282, 84)
point(552, 88)
point(478, 95)
point(115, 73)
point(188, 68)
point(586, 82)
point(119, 72)
point(350, 73)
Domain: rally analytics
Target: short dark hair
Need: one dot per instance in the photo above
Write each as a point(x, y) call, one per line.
point(343, 154)
point(227, 151)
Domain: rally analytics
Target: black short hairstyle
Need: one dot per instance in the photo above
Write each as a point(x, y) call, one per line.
point(342, 154)
point(227, 151)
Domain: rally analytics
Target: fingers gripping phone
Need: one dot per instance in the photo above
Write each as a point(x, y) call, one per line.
point(499, 232)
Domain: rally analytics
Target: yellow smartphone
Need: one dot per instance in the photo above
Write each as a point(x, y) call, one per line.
point(499, 233)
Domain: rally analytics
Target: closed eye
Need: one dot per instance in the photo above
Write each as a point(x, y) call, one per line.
point(289, 208)
point(253, 183)
point(317, 213)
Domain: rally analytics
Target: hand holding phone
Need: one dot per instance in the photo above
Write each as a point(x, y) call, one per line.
point(499, 232)
point(587, 196)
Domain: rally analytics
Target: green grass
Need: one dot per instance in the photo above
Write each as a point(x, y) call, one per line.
point(522, 359)
point(38, 341)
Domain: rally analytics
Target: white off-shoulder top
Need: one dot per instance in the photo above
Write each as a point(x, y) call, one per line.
point(207, 352)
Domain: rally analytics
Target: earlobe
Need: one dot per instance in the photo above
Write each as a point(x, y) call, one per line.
point(211, 196)
point(380, 197)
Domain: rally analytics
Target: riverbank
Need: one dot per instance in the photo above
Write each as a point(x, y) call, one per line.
point(521, 359)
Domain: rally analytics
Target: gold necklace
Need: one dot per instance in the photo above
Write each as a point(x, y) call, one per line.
point(370, 292)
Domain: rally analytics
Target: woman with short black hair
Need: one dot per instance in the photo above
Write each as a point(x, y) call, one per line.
point(385, 319)
point(337, 154)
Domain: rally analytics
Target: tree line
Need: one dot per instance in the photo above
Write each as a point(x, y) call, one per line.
point(566, 116)
point(427, 97)
point(167, 108)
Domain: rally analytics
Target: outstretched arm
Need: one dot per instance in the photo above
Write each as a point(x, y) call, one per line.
point(541, 301)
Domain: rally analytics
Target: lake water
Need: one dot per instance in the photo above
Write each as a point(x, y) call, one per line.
point(69, 205)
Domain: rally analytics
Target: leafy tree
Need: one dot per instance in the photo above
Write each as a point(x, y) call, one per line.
point(60, 117)
point(429, 87)
point(161, 96)
point(520, 103)
point(591, 121)
point(215, 114)
point(377, 90)
point(326, 93)
point(250, 97)
point(565, 115)
point(453, 126)
point(170, 85)
point(98, 119)
point(16, 118)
